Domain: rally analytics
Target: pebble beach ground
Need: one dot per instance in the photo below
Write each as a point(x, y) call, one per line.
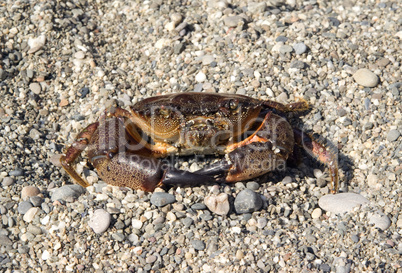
point(64, 62)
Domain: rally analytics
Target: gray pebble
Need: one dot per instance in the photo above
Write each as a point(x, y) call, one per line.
point(150, 259)
point(207, 59)
point(35, 230)
point(118, 236)
point(299, 48)
point(5, 241)
point(99, 221)
point(366, 78)
point(198, 87)
point(254, 7)
point(252, 186)
point(17, 172)
point(281, 39)
point(30, 73)
point(24, 206)
point(36, 201)
point(285, 49)
point(3, 74)
point(68, 192)
point(178, 48)
point(341, 202)
point(297, 64)
point(198, 206)
point(247, 201)
point(393, 135)
point(35, 88)
point(187, 222)
point(7, 181)
point(198, 244)
point(161, 199)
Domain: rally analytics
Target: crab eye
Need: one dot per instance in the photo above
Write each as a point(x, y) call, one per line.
point(233, 104)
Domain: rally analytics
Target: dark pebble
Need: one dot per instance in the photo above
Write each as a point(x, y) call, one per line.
point(198, 206)
point(187, 222)
point(281, 39)
point(68, 192)
point(247, 201)
point(36, 201)
point(84, 92)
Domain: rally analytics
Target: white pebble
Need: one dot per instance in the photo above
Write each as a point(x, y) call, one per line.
point(137, 224)
point(36, 43)
point(316, 213)
point(99, 221)
point(366, 78)
point(380, 220)
point(45, 255)
point(200, 77)
point(341, 202)
point(218, 204)
point(30, 214)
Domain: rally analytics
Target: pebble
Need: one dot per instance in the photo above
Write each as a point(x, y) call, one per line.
point(285, 49)
point(299, 48)
point(317, 212)
point(233, 21)
point(36, 201)
point(36, 43)
point(380, 220)
point(218, 204)
point(68, 193)
point(254, 7)
point(161, 199)
point(150, 259)
point(7, 181)
point(365, 78)
point(207, 60)
point(200, 77)
point(35, 88)
point(254, 186)
point(341, 202)
point(99, 221)
point(393, 135)
point(16, 172)
point(247, 201)
point(29, 191)
point(30, 214)
point(198, 244)
point(24, 206)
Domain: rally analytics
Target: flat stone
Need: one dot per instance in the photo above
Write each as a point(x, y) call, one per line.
point(99, 221)
point(366, 78)
point(5, 241)
point(247, 201)
point(218, 204)
point(285, 49)
point(256, 7)
point(317, 212)
point(29, 191)
point(161, 199)
point(380, 220)
point(341, 202)
point(68, 192)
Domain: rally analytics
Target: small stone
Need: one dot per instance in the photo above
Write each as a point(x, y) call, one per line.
point(383, 62)
point(119, 237)
point(178, 48)
point(79, 55)
point(341, 202)
point(137, 224)
point(30, 214)
point(297, 64)
point(380, 220)
point(252, 186)
point(35, 88)
point(24, 206)
point(256, 8)
point(29, 191)
point(207, 59)
point(161, 199)
point(5, 241)
point(16, 172)
point(68, 192)
point(198, 245)
point(233, 21)
point(34, 229)
point(36, 43)
point(218, 204)
point(150, 259)
point(393, 135)
point(200, 77)
point(198, 206)
point(285, 49)
point(317, 212)
point(299, 48)
point(45, 255)
point(247, 201)
point(262, 222)
point(99, 221)
point(372, 180)
point(7, 181)
point(187, 222)
point(366, 78)
point(282, 39)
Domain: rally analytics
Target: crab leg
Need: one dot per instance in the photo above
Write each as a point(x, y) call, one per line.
point(321, 153)
point(81, 142)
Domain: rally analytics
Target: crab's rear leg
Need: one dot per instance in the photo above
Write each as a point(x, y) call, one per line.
point(79, 145)
point(323, 154)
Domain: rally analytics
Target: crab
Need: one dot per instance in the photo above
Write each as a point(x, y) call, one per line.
point(132, 148)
